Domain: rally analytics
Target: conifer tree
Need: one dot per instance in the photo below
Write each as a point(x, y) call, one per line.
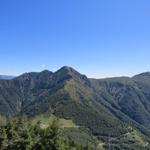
point(3, 138)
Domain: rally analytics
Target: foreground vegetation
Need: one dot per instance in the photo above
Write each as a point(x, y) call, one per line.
point(45, 132)
point(20, 134)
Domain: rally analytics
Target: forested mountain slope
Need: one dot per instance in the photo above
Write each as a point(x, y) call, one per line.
point(104, 106)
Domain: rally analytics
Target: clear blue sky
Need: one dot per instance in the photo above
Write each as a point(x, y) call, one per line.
point(99, 38)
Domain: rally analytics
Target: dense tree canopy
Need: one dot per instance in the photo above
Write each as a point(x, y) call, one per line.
point(19, 134)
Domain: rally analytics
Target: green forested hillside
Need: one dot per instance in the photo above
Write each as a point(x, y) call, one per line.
point(21, 134)
point(114, 107)
point(49, 132)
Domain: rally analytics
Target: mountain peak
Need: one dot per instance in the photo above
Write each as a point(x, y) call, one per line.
point(46, 72)
point(143, 77)
point(143, 74)
point(66, 73)
point(67, 68)
point(35, 75)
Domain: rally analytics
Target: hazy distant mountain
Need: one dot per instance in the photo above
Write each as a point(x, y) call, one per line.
point(6, 77)
point(104, 106)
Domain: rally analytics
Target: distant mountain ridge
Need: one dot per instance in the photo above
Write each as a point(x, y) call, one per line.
point(6, 77)
point(103, 105)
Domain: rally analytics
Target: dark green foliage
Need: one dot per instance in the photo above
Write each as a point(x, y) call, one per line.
point(49, 138)
point(19, 134)
point(3, 138)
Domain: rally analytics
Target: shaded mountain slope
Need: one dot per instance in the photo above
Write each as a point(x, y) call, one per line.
point(124, 98)
point(106, 106)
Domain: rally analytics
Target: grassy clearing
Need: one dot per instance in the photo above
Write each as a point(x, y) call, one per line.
point(47, 120)
point(136, 137)
point(100, 146)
